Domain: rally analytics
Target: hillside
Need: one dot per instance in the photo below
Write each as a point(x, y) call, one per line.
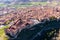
point(31, 18)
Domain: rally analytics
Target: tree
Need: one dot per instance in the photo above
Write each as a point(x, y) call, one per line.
point(52, 18)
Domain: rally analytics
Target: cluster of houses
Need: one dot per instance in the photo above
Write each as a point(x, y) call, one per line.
point(30, 16)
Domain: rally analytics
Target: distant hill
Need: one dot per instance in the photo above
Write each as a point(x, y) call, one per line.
point(18, 1)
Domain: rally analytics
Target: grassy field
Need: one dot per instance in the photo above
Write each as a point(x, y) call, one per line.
point(29, 4)
point(25, 4)
point(2, 33)
point(34, 4)
point(2, 5)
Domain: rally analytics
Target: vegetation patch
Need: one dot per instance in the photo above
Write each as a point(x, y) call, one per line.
point(2, 33)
